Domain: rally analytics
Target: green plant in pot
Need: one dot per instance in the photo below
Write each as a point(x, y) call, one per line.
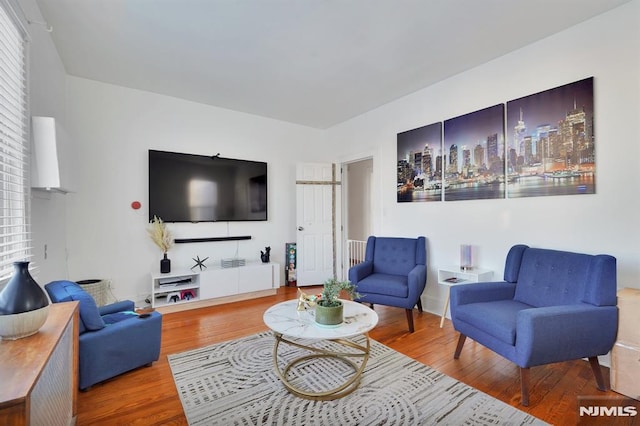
point(329, 308)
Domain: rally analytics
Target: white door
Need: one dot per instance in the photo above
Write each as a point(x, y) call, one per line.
point(318, 216)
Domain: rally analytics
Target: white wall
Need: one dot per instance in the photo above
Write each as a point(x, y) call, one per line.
point(114, 127)
point(606, 47)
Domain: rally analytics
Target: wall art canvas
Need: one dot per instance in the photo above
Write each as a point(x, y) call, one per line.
point(474, 149)
point(550, 147)
point(419, 176)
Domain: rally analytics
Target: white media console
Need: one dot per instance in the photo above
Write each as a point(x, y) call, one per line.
point(183, 289)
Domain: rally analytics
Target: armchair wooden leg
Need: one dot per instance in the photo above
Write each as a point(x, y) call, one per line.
point(524, 386)
point(410, 319)
point(597, 371)
point(461, 341)
point(371, 305)
point(419, 305)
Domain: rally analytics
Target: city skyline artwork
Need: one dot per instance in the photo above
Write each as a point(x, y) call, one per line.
point(538, 145)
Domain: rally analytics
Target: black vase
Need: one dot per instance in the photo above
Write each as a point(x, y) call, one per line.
point(22, 293)
point(165, 265)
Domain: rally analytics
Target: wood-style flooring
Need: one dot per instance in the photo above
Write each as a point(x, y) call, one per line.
point(147, 396)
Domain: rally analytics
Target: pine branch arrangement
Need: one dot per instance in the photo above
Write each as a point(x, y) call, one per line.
point(331, 292)
point(160, 235)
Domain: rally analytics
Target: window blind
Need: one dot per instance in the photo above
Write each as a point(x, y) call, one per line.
point(15, 239)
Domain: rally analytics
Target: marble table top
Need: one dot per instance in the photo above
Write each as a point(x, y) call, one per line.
point(285, 319)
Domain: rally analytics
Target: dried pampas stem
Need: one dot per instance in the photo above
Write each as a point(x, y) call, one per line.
point(160, 235)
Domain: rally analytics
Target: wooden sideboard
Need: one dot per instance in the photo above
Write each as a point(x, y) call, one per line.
point(39, 373)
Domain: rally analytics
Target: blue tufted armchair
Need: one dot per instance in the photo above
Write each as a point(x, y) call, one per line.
point(113, 338)
point(552, 306)
point(394, 273)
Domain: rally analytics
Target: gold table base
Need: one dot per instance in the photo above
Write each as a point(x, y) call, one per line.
point(346, 388)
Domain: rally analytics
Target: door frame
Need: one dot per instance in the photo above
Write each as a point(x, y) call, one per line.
point(375, 203)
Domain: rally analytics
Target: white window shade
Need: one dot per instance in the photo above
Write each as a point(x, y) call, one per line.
point(15, 242)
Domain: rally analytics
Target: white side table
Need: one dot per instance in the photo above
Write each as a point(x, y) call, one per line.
point(453, 275)
point(624, 373)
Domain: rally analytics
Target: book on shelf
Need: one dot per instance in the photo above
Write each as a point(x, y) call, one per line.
point(454, 280)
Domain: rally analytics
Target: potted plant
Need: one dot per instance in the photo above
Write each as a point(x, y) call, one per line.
point(162, 237)
point(329, 308)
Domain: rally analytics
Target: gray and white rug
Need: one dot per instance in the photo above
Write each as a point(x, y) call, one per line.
point(235, 383)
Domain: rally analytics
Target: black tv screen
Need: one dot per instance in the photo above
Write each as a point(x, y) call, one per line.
point(199, 188)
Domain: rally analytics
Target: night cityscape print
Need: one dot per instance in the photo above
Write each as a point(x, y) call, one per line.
point(544, 146)
point(474, 155)
point(419, 176)
point(550, 147)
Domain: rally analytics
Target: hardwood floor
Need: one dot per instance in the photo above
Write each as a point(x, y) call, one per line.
point(147, 396)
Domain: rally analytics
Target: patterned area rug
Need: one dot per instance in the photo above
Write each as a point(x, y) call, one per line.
point(235, 383)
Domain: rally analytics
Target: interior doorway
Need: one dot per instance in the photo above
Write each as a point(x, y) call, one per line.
point(357, 209)
point(319, 221)
point(359, 199)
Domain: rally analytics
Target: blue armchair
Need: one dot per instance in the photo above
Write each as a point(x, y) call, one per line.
point(394, 273)
point(552, 306)
point(113, 338)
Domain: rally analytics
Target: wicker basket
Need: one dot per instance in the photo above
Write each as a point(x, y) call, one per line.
point(97, 289)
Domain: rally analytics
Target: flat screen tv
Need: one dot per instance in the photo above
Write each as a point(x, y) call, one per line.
point(199, 188)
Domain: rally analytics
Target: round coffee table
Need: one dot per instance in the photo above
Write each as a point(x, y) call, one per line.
point(290, 326)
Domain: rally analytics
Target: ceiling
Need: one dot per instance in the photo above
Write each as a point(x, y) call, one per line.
point(312, 62)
